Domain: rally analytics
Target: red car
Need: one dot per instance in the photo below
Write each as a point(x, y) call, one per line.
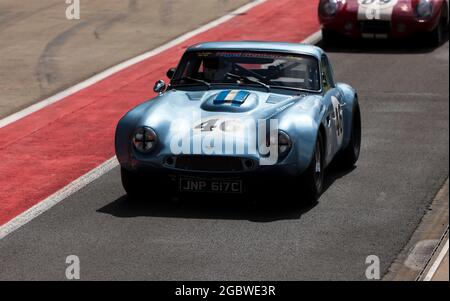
point(381, 19)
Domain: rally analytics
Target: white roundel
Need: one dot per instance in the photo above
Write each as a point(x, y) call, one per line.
point(338, 119)
point(377, 4)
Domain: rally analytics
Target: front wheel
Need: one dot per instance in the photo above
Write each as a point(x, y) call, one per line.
point(329, 37)
point(132, 183)
point(313, 177)
point(436, 37)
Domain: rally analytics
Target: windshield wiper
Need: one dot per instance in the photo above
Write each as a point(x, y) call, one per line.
point(243, 78)
point(196, 80)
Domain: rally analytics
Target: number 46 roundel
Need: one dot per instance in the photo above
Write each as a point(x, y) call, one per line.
point(338, 118)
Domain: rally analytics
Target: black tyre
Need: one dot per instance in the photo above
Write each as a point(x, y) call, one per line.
point(329, 37)
point(436, 37)
point(313, 177)
point(132, 183)
point(350, 154)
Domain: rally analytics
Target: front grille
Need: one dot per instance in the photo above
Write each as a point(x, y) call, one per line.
point(375, 26)
point(209, 163)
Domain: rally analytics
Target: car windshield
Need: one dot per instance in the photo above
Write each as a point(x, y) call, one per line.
point(267, 69)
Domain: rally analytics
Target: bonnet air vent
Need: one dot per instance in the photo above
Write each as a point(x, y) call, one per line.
point(276, 98)
point(195, 95)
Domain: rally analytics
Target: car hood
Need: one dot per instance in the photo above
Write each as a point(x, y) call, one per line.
point(358, 6)
point(178, 117)
point(175, 105)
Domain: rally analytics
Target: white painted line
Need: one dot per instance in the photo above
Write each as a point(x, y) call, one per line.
point(314, 38)
point(57, 197)
point(436, 263)
point(82, 181)
point(108, 72)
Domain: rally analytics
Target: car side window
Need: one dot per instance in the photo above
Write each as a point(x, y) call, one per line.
point(327, 74)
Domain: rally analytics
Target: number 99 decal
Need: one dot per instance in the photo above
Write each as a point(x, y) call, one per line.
point(378, 4)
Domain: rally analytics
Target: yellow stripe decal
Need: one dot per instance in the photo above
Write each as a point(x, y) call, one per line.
point(231, 96)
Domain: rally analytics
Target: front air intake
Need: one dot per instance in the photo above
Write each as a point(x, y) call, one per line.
point(209, 163)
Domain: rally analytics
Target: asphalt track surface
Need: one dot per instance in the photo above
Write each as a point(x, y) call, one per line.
point(370, 210)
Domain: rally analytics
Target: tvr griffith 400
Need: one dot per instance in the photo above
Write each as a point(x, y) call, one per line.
point(241, 117)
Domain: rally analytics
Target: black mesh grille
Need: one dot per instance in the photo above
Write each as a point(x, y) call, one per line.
point(375, 26)
point(209, 163)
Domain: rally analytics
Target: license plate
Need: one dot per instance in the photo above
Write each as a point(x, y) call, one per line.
point(210, 185)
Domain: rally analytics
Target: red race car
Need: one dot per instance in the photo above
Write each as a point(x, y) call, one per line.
point(381, 19)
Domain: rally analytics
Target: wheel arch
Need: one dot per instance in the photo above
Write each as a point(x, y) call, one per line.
point(323, 132)
point(351, 100)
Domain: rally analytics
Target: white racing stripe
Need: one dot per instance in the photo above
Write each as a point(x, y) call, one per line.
point(376, 9)
point(108, 72)
point(436, 263)
point(110, 164)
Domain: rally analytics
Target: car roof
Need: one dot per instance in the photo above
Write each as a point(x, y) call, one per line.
point(297, 48)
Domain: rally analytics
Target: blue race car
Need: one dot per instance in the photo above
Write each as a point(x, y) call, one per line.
point(240, 117)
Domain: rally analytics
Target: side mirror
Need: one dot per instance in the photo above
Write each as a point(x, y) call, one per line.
point(170, 73)
point(324, 80)
point(159, 87)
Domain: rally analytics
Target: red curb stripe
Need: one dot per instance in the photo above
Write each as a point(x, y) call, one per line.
point(45, 151)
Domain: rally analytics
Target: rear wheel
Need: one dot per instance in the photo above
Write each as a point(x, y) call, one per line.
point(351, 153)
point(313, 177)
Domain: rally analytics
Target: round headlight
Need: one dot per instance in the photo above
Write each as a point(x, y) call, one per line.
point(328, 7)
point(284, 143)
point(144, 139)
point(424, 9)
